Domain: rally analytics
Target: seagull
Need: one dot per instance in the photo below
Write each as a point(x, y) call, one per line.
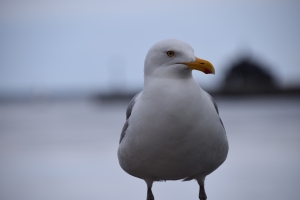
point(173, 130)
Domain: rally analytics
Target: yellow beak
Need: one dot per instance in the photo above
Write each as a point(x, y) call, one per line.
point(201, 65)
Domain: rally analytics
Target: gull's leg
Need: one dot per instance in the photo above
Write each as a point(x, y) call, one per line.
point(149, 190)
point(202, 194)
point(150, 194)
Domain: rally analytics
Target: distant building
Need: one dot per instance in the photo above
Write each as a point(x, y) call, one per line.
point(247, 76)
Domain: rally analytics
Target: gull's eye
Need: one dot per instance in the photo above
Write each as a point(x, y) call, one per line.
point(170, 53)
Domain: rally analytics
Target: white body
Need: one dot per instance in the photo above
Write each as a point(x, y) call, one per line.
point(172, 133)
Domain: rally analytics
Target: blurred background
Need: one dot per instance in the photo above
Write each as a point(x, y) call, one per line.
point(69, 68)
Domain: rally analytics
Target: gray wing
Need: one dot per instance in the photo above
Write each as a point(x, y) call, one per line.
point(128, 113)
point(217, 109)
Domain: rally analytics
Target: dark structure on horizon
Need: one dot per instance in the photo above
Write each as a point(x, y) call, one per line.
point(247, 76)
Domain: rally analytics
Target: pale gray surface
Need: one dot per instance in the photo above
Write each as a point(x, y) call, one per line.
point(67, 150)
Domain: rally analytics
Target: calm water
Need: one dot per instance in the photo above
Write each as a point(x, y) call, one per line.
point(67, 151)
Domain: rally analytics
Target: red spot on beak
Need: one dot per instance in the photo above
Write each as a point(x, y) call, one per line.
point(207, 71)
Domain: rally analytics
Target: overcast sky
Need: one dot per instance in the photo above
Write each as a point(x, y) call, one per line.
point(99, 45)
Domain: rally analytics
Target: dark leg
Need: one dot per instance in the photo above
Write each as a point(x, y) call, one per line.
point(150, 194)
point(202, 194)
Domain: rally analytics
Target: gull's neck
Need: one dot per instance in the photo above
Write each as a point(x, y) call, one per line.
point(161, 83)
point(168, 75)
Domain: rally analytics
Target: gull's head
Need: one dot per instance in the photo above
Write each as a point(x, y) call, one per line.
point(174, 58)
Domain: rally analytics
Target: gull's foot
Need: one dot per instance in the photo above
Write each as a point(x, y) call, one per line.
point(150, 194)
point(202, 197)
point(202, 194)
